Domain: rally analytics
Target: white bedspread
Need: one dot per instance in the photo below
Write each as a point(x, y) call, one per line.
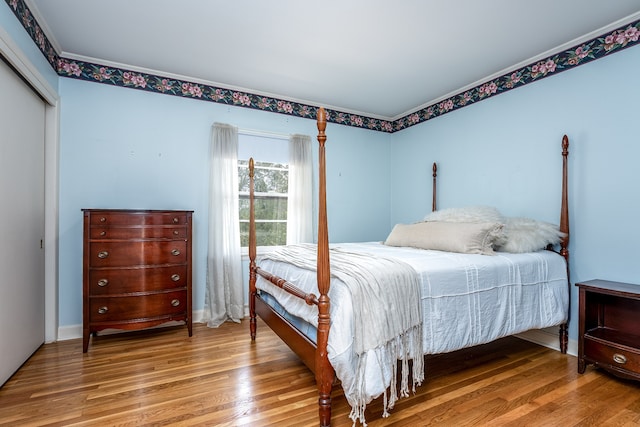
point(466, 300)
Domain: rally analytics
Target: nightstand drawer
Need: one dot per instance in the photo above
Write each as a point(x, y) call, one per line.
point(611, 356)
point(105, 309)
point(131, 280)
point(117, 254)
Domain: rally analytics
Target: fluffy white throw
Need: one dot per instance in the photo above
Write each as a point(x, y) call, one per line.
point(388, 315)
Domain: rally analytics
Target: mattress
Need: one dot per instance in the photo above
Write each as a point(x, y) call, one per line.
point(466, 300)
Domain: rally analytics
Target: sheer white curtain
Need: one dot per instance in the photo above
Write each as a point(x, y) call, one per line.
point(300, 199)
point(224, 296)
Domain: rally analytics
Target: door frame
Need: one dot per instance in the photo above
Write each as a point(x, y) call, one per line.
point(14, 56)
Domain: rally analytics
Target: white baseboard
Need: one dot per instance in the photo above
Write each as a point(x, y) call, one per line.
point(549, 338)
point(545, 337)
point(72, 332)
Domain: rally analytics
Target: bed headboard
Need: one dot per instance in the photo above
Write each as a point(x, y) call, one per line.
point(564, 205)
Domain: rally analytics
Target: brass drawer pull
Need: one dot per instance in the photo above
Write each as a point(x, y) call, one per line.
point(175, 277)
point(103, 219)
point(103, 254)
point(619, 358)
point(176, 232)
point(175, 252)
point(175, 302)
point(176, 220)
point(103, 282)
point(103, 310)
point(103, 233)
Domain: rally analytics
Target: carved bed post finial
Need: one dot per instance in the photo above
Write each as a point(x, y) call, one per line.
point(324, 371)
point(252, 254)
point(322, 126)
point(435, 175)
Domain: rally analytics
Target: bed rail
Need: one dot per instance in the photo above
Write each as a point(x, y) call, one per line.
point(287, 286)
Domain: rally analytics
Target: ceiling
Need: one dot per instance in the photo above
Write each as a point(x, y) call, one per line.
point(381, 59)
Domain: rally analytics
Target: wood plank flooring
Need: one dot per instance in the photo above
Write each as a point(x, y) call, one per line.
point(219, 378)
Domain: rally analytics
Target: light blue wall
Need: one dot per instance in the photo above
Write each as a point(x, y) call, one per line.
point(124, 148)
point(505, 152)
point(131, 149)
point(25, 44)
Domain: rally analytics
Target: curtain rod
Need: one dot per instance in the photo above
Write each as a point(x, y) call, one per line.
point(263, 133)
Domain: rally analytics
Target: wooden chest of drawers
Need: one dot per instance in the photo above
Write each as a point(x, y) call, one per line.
point(136, 269)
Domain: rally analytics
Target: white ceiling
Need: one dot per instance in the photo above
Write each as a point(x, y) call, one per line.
point(378, 58)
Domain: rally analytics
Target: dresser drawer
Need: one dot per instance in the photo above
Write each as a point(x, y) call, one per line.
point(137, 218)
point(131, 280)
point(138, 232)
point(106, 309)
point(122, 254)
point(608, 355)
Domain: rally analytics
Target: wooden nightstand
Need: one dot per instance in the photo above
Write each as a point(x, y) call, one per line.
point(609, 329)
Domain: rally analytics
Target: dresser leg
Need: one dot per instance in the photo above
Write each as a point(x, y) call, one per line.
point(581, 366)
point(85, 341)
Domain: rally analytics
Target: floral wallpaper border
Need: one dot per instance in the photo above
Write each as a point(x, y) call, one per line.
point(593, 49)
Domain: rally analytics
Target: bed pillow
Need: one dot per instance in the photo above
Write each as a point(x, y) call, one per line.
point(466, 214)
point(528, 235)
point(470, 214)
point(461, 237)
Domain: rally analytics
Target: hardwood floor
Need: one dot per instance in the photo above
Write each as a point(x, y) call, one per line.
point(219, 378)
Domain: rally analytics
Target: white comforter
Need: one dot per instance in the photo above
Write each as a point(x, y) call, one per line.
point(466, 300)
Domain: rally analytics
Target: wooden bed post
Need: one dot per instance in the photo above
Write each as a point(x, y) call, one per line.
point(324, 371)
point(433, 193)
point(252, 255)
point(564, 243)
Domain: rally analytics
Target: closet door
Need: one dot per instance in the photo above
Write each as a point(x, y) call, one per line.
point(22, 118)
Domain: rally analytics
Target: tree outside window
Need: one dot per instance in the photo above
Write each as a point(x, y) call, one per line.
point(271, 186)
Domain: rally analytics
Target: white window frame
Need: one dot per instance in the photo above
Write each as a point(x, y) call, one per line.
point(257, 195)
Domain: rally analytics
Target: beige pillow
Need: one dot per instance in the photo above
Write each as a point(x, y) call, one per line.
point(470, 214)
point(461, 237)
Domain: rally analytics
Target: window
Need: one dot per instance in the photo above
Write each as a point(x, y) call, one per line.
point(271, 177)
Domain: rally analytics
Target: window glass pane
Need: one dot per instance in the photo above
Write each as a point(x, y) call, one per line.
point(267, 233)
point(267, 209)
point(268, 177)
point(271, 178)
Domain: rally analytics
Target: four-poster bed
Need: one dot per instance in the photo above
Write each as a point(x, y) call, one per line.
point(311, 314)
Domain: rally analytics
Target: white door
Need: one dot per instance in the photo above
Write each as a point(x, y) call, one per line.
point(22, 124)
